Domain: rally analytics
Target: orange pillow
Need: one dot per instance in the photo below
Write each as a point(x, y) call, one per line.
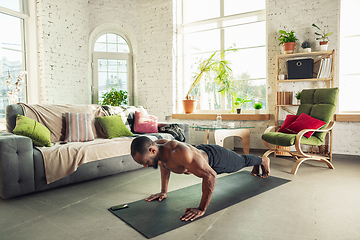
point(145, 123)
point(305, 121)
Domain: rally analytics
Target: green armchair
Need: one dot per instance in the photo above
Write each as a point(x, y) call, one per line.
point(319, 104)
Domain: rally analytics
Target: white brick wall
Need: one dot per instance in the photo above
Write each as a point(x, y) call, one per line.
point(154, 68)
point(65, 27)
point(63, 51)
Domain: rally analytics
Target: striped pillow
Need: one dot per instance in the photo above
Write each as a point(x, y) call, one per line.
point(78, 127)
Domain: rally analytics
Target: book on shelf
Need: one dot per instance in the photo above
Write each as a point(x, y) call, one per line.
point(325, 68)
point(284, 98)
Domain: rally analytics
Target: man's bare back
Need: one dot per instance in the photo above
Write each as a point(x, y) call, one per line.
point(170, 157)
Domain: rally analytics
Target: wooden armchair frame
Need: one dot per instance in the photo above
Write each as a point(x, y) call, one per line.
point(299, 155)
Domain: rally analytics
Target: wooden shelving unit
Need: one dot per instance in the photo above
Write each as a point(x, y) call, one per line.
point(317, 56)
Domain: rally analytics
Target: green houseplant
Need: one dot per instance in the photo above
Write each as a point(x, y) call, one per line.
point(257, 107)
point(114, 97)
point(306, 46)
point(220, 72)
point(238, 102)
point(323, 37)
point(287, 39)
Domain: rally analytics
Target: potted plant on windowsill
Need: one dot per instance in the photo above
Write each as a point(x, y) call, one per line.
point(257, 107)
point(238, 103)
point(323, 37)
point(221, 74)
point(287, 39)
point(114, 98)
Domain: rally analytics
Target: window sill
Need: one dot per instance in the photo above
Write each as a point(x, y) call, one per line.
point(225, 116)
point(347, 117)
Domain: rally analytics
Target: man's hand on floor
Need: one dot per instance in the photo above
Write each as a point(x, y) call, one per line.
point(159, 196)
point(191, 214)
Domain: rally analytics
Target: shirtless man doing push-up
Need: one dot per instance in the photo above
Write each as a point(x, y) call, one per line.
point(204, 161)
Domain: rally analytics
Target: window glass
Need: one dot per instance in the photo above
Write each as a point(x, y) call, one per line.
point(349, 70)
point(199, 42)
point(241, 37)
point(112, 73)
point(200, 10)
point(232, 7)
point(11, 58)
point(111, 43)
point(15, 5)
point(244, 31)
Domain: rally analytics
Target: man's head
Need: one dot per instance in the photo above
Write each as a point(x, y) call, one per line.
point(144, 151)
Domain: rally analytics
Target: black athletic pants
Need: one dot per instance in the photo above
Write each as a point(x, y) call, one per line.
point(223, 160)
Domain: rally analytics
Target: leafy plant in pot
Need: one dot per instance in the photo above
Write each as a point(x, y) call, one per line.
point(323, 37)
point(306, 46)
point(114, 97)
point(219, 71)
point(257, 107)
point(287, 39)
point(238, 103)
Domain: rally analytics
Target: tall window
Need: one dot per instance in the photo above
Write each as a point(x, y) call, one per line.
point(224, 23)
point(112, 66)
point(12, 49)
point(349, 69)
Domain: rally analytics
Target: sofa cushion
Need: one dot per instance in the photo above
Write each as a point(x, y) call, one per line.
point(127, 113)
point(78, 127)
point(39, 134)
point(113, 126)
point(145, 123)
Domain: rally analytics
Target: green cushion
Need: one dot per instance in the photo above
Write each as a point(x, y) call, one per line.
point(319, 103)
point(285, 139)
point(39, 134)
point(113, 126)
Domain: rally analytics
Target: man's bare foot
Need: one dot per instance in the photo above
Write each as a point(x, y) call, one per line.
point(265, 167)
point(256, 170)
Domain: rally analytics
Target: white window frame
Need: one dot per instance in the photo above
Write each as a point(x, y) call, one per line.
point(115, 56)
point(180, 85)
point(31, 86)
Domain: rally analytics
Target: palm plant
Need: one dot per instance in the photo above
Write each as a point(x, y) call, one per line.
point(220, 71)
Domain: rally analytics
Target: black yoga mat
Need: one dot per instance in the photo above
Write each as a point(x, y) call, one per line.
point(154, 218)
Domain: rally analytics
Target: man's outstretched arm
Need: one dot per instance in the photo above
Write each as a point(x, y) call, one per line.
point(165, 176)
point(200, 168)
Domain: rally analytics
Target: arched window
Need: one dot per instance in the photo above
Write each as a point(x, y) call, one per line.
point(112, 66)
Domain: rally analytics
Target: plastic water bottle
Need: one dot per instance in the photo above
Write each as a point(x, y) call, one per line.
point(218, 120)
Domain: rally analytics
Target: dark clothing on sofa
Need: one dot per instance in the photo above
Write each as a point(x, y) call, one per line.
point(223, 160)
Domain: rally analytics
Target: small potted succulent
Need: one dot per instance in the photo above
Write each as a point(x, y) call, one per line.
point(287, 39)
point(323, 37)
point(257, 107)
point(306, 46)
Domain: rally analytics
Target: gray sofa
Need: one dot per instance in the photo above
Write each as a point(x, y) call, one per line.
point(22, 166)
